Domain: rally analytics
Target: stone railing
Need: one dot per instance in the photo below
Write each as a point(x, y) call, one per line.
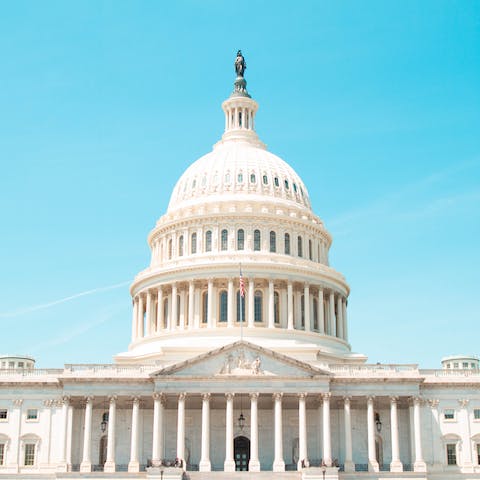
point(107, 370)
point(375, 370)
point(450, 373)
point(30, 372)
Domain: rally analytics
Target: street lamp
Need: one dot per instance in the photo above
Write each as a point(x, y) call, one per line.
point(378, 423)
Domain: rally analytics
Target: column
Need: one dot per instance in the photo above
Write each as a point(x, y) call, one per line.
point(191, 300)
point(348, 463)
point(345, 323)
point(210, 304)
point(327, 441)
point(396, 464)
point(419, 464)
point(62, 464)
point(110, 463)
point(148, 315)
point(302, 432)
point(437, 447)
point(340, 317)
point(160, 318)
point(230, 303)
point(181, 429)
point(69, 438)
point(229, 464)
point(321, 312)
point(372, 455)
point(134, 465)
point(183, 302)
point(254, 464)
point(289, 306)
point(205, 465)
point(306, 306)
point(140, 317)
point(174, 307)
point(278, 462)
point(158, 418)
point(464, 423)
point(251, 303)
point(331, 314)
point(134, 318)
point(271, 305)
point(86, 465)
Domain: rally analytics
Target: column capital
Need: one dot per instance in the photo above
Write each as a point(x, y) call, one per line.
point(229, 395)
point(302, 395)
point(65, 399)
point(347, 399)
point(393, 399)
point(112, 399)
point(182, 396)
point(88, 398)
point(433, 402)
point(48, 403)
point(370, 398)
point(206, 396)
point(136, 399)
point(277, 396)
point(159, 396)
point(325, 396)
point(463, 402)
point(417, 400)
point(254, 395)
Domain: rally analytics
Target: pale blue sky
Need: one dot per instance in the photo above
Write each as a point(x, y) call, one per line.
point(103, 105)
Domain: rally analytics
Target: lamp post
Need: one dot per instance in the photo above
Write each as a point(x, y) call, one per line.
point(378, 423)
point(324, 470)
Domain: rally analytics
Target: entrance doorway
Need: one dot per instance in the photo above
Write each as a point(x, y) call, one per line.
point(241, 448)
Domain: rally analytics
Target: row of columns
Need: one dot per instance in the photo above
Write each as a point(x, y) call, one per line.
point(168, 247)
point(149, 313)
point(254, 465)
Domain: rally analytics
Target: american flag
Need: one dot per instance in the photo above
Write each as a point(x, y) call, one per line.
point(242, 285)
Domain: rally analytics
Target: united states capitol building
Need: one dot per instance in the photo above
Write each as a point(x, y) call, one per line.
point(239, 364)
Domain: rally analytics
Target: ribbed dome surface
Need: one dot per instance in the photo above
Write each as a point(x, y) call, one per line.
point(238, 168)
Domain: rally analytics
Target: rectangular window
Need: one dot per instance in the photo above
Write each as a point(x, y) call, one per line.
point(3, 414)
point(451, 454)
point(20, 364)
point(11, 364)
point(449, 414)
point(465, 365)
point(29, 454)
point(32, 414)
point(476, 413)
point(2, 453)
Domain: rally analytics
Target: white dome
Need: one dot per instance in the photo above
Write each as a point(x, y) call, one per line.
point(238, 168)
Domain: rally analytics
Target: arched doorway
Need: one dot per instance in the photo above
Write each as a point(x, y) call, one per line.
point(241, 448)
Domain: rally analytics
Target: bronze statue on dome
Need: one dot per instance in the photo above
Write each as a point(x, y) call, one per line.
point(240, 64)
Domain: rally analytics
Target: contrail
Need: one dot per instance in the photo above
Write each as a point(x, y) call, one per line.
point(42, 306)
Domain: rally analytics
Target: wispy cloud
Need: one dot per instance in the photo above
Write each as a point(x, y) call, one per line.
point(67, 336)
point(43, 306)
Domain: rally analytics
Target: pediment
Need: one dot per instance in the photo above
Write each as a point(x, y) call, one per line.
point(241, 359)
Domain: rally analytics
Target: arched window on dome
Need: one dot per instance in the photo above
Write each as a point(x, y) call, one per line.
point(265, 180)
point(180, 246)
point(165, 313)
point(240, 239)
point(256, 240)
point(302, 312)
point(204, 181)
point(315, 314)
point(310, 251)
point(276, 308)
point(170, 249)
point(224, 240)
point(227, 179)
point(273, 242)
point(194, 243)
point(194, 183)
point(208, 241)
point(205, 307)
point(287, 187)
point(253, 178)
point(276, 182)
point(240, 178)
point(240, 119)
point(241, 313)
point(287, 244)
point(300, 246)
point(223, 299)
point(295, 187)
point(258, 306)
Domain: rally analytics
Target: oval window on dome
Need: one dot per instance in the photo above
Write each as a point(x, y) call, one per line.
point(276, 182)
point(286, 185)
point(227, 178)
point(265, 180)
point(253, 179)
point(240, 178)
